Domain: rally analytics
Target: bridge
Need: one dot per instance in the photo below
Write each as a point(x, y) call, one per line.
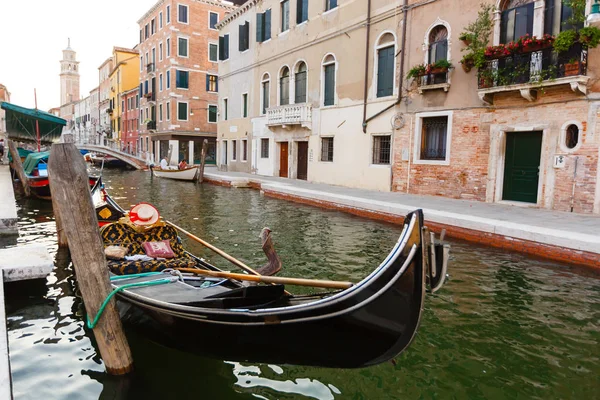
point(130, 159)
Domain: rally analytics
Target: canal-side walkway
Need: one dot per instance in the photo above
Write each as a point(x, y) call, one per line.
point(8, 207)
point(560, 236)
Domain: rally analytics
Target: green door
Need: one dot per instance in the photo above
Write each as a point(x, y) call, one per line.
point(522, 166)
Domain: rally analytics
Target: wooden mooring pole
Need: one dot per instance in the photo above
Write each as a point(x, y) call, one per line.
point(73, 206)
point(203, 160)
point(18, 166)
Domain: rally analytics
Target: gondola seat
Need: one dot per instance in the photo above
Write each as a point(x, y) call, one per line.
point(119, 234)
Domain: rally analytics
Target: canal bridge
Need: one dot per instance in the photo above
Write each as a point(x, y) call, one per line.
point(133, 160)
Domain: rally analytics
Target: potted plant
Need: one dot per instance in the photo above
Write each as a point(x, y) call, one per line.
point(467, 62)
point(565, 40)
point(416, 71)
point(476, 37)
point(572, 67)
point(439, 67)
point(466, 38)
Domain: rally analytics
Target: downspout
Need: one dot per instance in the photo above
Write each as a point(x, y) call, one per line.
point(402, 48)
point(367, 52)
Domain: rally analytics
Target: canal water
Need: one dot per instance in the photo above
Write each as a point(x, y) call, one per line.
point(504, 325)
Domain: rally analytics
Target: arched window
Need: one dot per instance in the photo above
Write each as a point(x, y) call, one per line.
point(517, 20)
point(329, 80)
point(572, 136)
point(300, 83)
point(386, 54)
point(284, 86)
point(438, 44)
point(265, 92)
point(556, 17)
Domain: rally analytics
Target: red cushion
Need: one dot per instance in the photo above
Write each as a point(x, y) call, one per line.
point(160, 249)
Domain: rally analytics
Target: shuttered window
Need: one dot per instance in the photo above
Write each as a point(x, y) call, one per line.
point(244, 36)
point(516, 22)
point(212, 113)
point(223, 47)
point(329, 87)
point(214, 19)
point(182, 111)
point(301, 11)
point(300, 84)
point(385, 71)
point(182, 47)
point(285, 15)
point(263, 26)
point(284, 87)
point(182, 79)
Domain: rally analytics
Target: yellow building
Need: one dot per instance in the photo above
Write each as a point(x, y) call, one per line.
point(124, 76)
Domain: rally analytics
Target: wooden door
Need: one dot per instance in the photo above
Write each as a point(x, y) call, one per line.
point(522, 166)
point(283, 159)
point(302, 160)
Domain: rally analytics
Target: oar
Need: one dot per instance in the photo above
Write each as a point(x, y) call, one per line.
point(271, 279)
point(216, 250)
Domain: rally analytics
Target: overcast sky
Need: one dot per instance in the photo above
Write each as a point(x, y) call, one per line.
point(33, 34)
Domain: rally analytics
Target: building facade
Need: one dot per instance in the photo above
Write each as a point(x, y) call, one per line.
point(4, 96)
point(131, 121)
point(329, 100)
point(105, 128)
point(178, 78)
point(123, 77)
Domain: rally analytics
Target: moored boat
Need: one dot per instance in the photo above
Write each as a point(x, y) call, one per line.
point(186, 174)
point(107, 161)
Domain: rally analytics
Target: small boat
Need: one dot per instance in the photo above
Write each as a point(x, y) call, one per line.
point(187, 303)
point(107, 210)
point(187, 174)
point(107, 161)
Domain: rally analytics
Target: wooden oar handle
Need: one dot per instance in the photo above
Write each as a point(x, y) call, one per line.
point(271, 279)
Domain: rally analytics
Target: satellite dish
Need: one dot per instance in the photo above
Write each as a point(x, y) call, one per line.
point(397, 121)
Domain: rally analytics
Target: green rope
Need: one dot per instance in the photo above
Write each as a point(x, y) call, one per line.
point(92, 325)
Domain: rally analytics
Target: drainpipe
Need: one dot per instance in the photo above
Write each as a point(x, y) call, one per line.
point(367, 52)
point(402, 48)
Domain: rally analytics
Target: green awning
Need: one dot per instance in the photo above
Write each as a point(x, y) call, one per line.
point(20, 124)
point(33, 159)
point(22, 153)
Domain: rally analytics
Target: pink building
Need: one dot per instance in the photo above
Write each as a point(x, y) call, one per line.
point(130, 103)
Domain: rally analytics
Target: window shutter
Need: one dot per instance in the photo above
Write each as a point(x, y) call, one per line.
point(247, 34)
point(141, 90)
point(221, 47)
point(177, 79)
point(207, 82)
point(329, 96)
point(267, 33)
point(226, 46)
point(304, 10)
point(259, 27)
point(299, 11)
point(216, 84)
point(241, 32)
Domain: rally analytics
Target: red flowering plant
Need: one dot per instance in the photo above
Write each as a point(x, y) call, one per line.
point(532, 42)
point(525, 43)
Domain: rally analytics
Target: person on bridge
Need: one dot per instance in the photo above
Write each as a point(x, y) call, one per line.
point(164, 164)
point(183, 164)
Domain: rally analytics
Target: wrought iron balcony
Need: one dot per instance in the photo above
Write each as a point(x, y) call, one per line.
point(528, 71)
point(150, 67)
point(151, 125)
point(291, 114)
point(436, 79)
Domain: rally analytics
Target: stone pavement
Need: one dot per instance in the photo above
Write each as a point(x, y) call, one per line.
point(8, 207)
point(556, 235)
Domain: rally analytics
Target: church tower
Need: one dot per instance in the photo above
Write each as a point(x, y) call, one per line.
point(69, 76)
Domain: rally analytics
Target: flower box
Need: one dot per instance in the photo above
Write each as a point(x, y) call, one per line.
point(572, 69)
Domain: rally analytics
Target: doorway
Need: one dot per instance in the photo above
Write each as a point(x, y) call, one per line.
point(522, 166)
point(283, 159)
point(302, 161)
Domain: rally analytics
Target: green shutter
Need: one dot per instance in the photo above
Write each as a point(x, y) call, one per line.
point(385, 72)
point(329, 96)
point(259, 27)
point(267, 33)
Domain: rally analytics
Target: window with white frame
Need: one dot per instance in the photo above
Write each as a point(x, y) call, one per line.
point(213, 20)
point(212, 83)
point(182, 47)
point(182, 111)
point(382, 149)
point(168, 79)
point(284, 86)
point(160, 20)
point(213, 52)
point(432, 137)
point(245, 105)
point(329, 80)
point(285, 15)
point(168, 15)
point(264, 148)
point(160, 51)
point(265, 93)
point(168, 47)
point(301, 11)
point(244, 150)
point(300, 84)
point(182, 13)
point(160, 82)
point(330, 4)
point(160, 112)
point(225, 109)
point(168, 113)
point(386, 55)
point(212, 114)
point(182, 79)
point(234, 150)
point(327, 149)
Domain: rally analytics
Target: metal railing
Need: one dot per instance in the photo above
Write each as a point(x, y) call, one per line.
point(150, 67)
point(434, 78)
point(291, 114)
point(533, 67)
point(151, 125)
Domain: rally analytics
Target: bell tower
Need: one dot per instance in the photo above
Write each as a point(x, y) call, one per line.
point(69, 76)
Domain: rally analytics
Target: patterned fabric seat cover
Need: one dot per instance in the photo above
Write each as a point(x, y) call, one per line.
point(119, 234)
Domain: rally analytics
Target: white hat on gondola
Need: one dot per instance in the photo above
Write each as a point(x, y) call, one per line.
point(144, 214)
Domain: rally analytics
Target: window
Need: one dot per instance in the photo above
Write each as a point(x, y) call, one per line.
point(168, 15)
point(160, 82)
point(137, 101)
point(433, 138)
point(244, 150)
point(301, 11)
point(327, 149)
point(557, 13)
point(385, 65)
point(329, 81)
point(141, 63)
point(212, 83)
point(284, 86)
point(182, 47)
point(212, 114)
point(153, 27)
point(234, 150)
point(168, 111)
point(225, 109)
point(244, 36)
point(141, 36)
point(381, 149)
point(160, 51)
point(300, 83)
point(147, 31)
point(263, 26)
point(516, 20)
point(571, 136)
point(213, 20)
point(168, 47)
point(160, 20)
point(266, 91)
point(182, 13)
point(223, 47)
point(154, 58)
point(168, 79)
point(285, 15)
point(330, 4)
point(264, 148)
point(213, 52)
point(438, 44)
point(182, 111)
point(245, 105)
point(182, 79)
point(160, 112)
point(146, 86)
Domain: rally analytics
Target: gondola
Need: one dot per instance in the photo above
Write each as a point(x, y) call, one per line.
point(107, 210)
point(365, 324)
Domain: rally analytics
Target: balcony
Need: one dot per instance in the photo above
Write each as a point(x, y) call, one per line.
point(150, 68)
point(151, 125)
point(109, 111)
point(528, 72)
point(434, 80)
point(291, 114)
point(150, 96)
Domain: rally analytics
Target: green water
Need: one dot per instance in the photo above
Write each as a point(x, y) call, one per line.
point(505, 326)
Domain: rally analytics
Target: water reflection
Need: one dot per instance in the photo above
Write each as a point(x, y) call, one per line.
point(505, 326)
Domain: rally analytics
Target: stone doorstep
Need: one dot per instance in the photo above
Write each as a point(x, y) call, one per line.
point(26, 262)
